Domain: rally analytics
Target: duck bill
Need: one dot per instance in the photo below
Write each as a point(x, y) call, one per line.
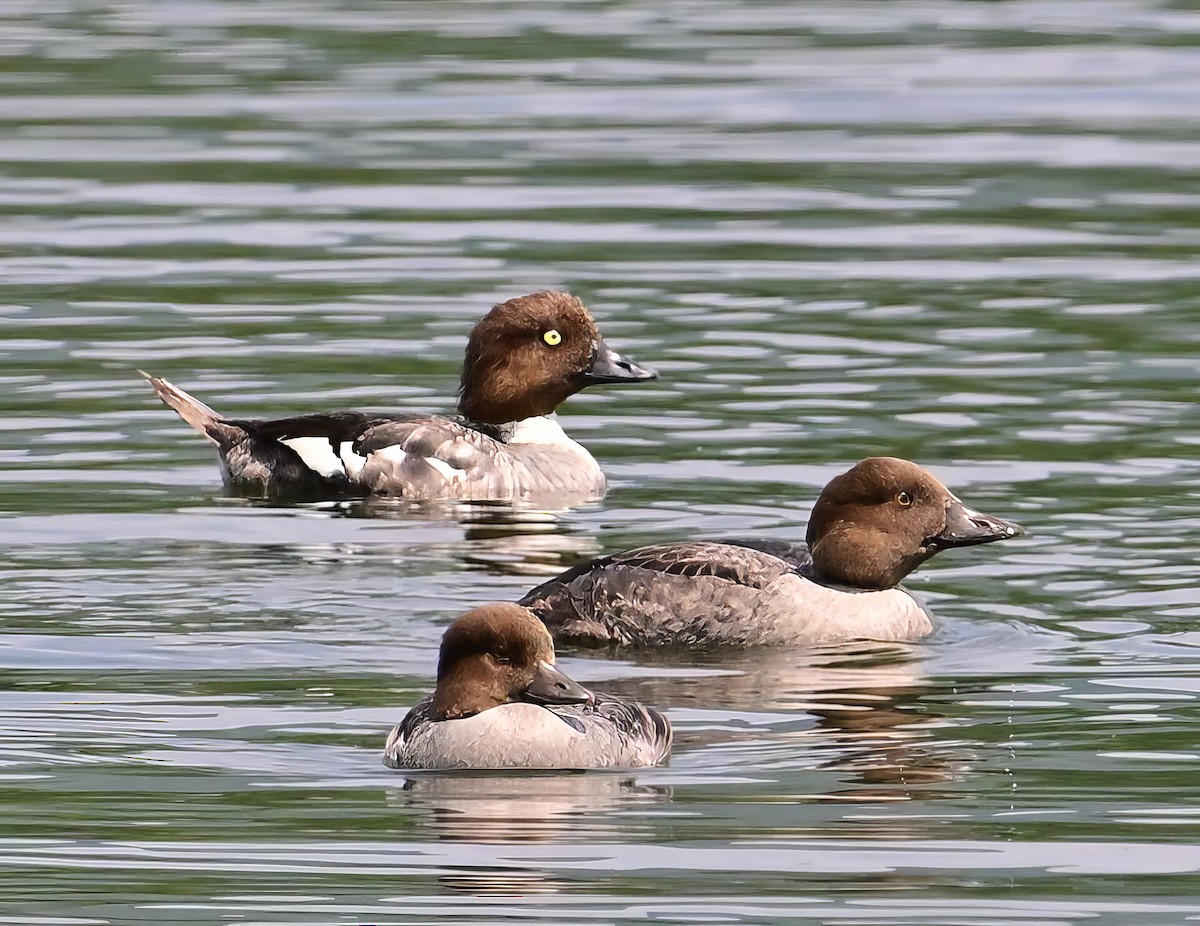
point(966, 527)
point(551, 685)
point(610, 367)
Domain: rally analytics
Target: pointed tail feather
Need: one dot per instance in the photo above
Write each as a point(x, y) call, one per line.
point(196, 413)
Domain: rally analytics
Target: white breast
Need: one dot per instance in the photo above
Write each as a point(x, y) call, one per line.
point(544, 430)
point(509, 736)
point(802, 611)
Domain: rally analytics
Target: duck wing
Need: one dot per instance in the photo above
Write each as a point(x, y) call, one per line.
point(395, 752)
point(629, 734)
point(677, 593)
point(358, 453)
point(342, 454)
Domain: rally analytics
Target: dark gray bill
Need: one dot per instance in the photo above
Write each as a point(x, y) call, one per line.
point(610, 367)
point(965, 527)
point(551, 686)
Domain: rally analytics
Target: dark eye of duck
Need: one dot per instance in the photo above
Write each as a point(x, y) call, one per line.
point(904, 500)
point(501, 659)
point(552, 337)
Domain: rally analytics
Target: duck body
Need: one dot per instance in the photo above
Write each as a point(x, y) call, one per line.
point(870, 527)
point(721, 593)
point(501, 703)
point(355, 454)
point(523, 359)
point(607, 733)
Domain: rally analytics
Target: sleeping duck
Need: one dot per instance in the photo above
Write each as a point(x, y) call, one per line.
point(500, 702)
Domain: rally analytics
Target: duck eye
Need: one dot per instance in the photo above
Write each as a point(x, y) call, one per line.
point(904, 500)
point(552, 337)
point(501, 659)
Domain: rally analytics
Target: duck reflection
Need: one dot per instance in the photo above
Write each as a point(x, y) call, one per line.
point(525, 542)
point(466, 511)
point(530, 807)
point(858, 708)
point(498, 538)
point(503, 882)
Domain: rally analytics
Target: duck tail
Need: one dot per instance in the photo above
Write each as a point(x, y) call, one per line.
point(202, 418)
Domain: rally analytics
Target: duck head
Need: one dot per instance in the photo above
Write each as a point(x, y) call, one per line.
point(498, 654)
point(875, 523)
point(527, 355)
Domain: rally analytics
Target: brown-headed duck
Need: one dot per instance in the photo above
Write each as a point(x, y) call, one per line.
point(870, 527)
point(500, 702)
point(523, 359)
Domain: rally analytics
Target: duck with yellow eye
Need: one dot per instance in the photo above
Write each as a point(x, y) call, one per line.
point(523, 359)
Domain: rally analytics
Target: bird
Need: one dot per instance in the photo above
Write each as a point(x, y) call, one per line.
point(501, 702)
point(870, 527)
point(523, 359)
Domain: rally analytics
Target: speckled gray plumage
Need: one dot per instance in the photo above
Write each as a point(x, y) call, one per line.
point(608, 733)
point(486, 464)
point(479, 461)
point(717, 593)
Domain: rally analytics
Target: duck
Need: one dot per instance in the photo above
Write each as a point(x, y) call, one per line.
point(870, 527)
point(523, 359)
point(502, 703)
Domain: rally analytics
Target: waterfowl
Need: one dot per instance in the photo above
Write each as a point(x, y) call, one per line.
point(870, 527)
point(523, 359)
point(500, 702)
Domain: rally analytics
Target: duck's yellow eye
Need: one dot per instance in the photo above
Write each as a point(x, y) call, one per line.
point(904, 500)
point(552, 337)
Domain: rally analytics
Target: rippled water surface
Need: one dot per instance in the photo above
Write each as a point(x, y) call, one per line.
point(960, 232)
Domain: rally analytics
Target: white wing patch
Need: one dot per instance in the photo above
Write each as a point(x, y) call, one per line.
point(396, 456)
point(353, 462)
point(449, 473)
point(317, 455)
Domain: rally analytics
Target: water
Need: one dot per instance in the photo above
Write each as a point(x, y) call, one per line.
point(959, 232)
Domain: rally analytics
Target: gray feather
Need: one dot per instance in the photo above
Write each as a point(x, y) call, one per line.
point(716, 593)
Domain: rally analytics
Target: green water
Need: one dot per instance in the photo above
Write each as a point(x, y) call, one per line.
point(959, 232)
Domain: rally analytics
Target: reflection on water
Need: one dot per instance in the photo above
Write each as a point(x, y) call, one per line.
point(851, 711)
point(505, 539)
point(500, 808)
point(777, 678)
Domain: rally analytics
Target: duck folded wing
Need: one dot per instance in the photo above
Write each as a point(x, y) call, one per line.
point(335, 427)
point(643, 734)
point(302, 455)
point(795, 555)
point(400, 739)
point(434, 457)
point(412, 456)
point(680, 593)
point(286, 457)
point(418, 456)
